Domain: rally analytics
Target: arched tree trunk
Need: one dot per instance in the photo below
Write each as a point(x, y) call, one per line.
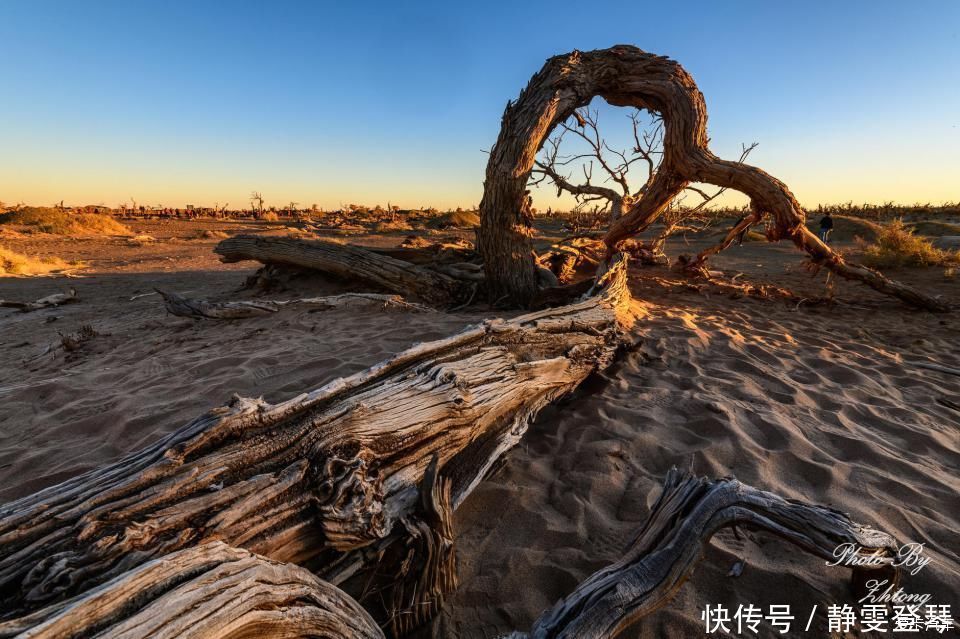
point(626, 76)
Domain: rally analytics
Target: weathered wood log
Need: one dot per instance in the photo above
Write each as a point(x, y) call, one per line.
point(202, 309)
point(430, 253)
point(330, 471)
point(626, 76)
point(417, 572)
point(211, 591)
point(687, 514)
point(57, 299)
point(215, 591)
point(348, 262)
point(570, 255)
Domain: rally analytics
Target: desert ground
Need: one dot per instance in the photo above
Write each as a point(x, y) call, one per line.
point(812, 400)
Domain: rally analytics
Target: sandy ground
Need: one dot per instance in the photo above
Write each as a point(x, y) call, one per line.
point(810, 401)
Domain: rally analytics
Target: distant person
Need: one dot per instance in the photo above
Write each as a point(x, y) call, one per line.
point(826, 226)
point(743, 232)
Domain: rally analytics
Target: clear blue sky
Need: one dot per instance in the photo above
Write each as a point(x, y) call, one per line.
point(322, 102)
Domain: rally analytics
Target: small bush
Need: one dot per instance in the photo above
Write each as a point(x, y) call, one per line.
point(56, 222)
point(269, 216)
point(896, 246)
point(456, 220)
point(392, 226)
point(12, 263)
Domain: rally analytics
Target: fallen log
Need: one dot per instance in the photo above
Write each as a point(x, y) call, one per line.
point(57, 299)
point(429, 253)
point(202, 309)
point(215, 591)
point(209, 591)
point(328, 472)
point(565, 258)
point(348, 262)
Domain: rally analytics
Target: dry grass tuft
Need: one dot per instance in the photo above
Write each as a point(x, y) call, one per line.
point(896, 246)
point(55, 222)
point(12, 263)
point(456, 220)
point(392, 226)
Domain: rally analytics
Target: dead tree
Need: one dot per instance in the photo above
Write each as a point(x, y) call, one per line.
point(647, 150)
point(626, 76)
point(215, 591)
point(256, 201)
point(329, 476)
point(615, 164)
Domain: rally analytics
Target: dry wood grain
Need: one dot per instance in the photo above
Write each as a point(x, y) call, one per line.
point(348, 263)
point(331, 471)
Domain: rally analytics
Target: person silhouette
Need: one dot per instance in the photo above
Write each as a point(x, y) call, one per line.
point(826, 226)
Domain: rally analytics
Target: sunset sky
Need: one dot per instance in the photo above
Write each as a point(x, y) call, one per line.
point(328, 103)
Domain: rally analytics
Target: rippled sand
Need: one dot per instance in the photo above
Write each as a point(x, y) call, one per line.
point(814, 403)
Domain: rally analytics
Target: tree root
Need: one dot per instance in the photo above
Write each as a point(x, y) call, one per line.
point(215, 591)
point(665, 552)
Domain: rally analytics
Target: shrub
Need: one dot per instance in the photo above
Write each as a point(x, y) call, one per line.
point(56, 222)
point(456, 220)
point(896, 246)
